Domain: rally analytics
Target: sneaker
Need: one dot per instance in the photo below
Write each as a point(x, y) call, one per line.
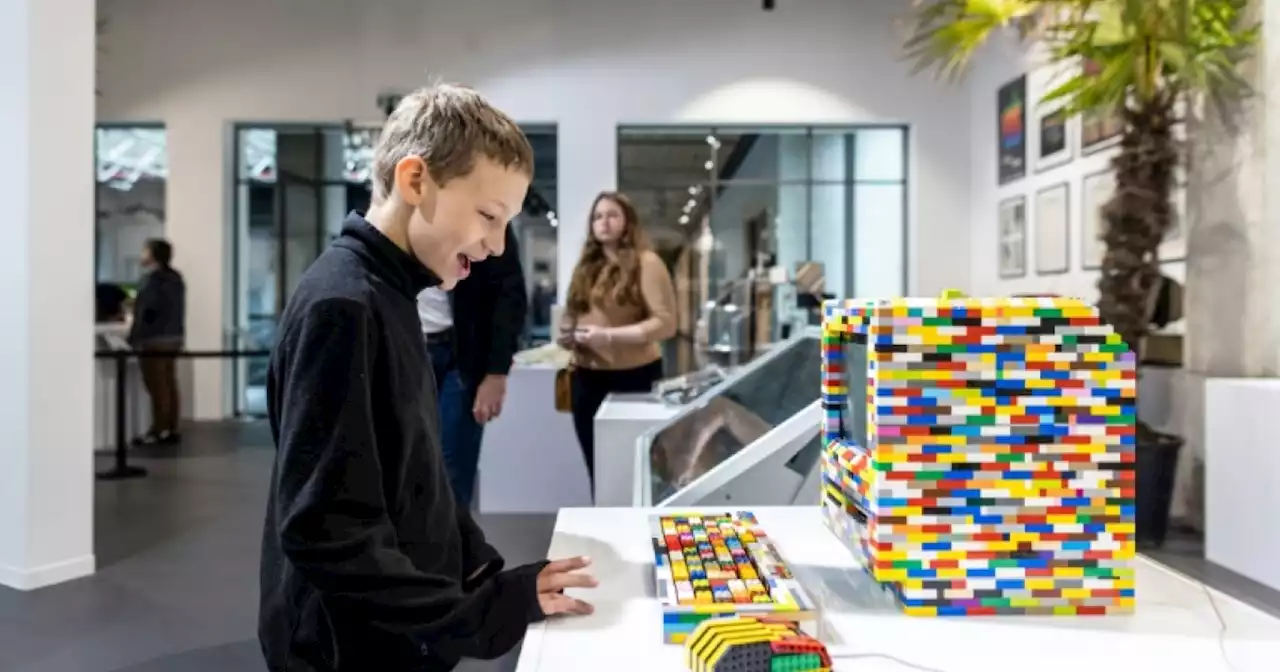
point(169, 438)
point(148, 439)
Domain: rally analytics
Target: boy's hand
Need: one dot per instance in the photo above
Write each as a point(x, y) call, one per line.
point(559, 575)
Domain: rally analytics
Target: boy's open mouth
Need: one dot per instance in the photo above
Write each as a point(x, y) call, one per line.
point(464, 266)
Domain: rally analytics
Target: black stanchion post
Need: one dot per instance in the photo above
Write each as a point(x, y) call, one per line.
point(122, 469)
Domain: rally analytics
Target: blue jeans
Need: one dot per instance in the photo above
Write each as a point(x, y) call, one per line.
point(460, 434)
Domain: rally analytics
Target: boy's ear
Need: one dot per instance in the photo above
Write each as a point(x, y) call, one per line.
point(414, 183)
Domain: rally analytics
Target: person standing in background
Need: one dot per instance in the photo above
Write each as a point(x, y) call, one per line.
point(472, 334)
point(159, 329)
point(621, 305)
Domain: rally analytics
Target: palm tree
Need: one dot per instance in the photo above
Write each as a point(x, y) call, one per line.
point(1145, 61)
point(1147, 56)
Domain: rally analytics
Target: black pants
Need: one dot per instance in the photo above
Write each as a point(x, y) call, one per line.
point(160, 377)
point(589, 387)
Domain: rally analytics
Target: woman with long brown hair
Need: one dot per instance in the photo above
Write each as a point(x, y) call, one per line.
point(621, 305)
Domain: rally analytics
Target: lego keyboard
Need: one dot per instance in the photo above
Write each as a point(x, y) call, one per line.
point(708, 565)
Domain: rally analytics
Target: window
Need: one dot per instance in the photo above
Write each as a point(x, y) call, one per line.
point(131, 172)
point(295, 186)
point(760, 202)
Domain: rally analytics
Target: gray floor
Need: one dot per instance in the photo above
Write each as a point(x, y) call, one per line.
point(176, 589)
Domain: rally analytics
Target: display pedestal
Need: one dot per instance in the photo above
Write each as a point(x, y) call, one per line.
point(530, 461)
point(619, 422)
point(1241, 487)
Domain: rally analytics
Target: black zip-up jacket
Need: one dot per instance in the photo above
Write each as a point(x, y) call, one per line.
point(160, 308)
point(366, 562)
point(489, 311)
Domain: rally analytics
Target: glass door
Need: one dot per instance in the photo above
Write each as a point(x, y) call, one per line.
point(292, 197)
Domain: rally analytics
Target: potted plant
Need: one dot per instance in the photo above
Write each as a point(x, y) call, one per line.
point(1149, 60)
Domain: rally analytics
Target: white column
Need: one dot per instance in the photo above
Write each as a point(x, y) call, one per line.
point(46, 270)
point(1233, 257)
point(197, 225)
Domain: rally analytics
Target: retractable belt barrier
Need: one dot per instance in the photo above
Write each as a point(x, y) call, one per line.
point(122, 469)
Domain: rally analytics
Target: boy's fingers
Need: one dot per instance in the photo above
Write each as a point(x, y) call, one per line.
point(567, 565)
point(556, 582)
point(554, 603)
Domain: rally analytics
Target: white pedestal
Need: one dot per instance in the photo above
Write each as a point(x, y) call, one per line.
point(1242, 486)
point(530, 461)
point(619, 422)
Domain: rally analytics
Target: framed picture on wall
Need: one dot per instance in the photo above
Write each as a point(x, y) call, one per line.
point(1055, 144)
point(1011, 130)
point(1099, 129)
point(1053, 128)
point(1012, 238)
point(1096, 191)
point(1053, 238)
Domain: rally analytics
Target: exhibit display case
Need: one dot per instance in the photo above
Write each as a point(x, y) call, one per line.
point(764, 418)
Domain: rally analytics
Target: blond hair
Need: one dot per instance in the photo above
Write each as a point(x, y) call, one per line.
point(449, 127)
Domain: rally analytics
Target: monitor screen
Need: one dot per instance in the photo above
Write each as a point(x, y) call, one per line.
point(781, 384)
point(853, 417)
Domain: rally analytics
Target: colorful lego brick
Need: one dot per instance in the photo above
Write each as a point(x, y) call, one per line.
point(744, 644)
point(709, 566)
point(979, 453)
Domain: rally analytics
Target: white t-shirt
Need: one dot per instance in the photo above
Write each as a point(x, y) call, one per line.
point(434, 311)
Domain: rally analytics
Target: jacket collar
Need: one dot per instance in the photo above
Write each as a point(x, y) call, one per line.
point(384, 258)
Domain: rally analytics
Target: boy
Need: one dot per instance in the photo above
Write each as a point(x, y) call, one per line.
point(367, 564)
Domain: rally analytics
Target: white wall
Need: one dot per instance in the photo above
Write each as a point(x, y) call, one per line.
point(586, 65)
point(999, 64)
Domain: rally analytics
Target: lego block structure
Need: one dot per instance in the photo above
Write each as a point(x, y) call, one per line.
point(745, 644)
point(720, 566)
point(979, 453)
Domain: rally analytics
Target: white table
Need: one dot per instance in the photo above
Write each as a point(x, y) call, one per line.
point(1180, 625)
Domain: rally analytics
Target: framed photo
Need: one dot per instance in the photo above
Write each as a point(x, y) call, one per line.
point(1099, 129)
point(1011, 130)
point(1056, 142)
point(1013, 237)
point(1053, 238)
point(1053, 128)
point(1097, 190)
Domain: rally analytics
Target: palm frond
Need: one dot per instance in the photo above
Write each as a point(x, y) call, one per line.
point(1145, 51)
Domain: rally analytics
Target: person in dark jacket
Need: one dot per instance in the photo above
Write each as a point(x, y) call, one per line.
point(472, 334)
point(158, 331)
point(367, 562)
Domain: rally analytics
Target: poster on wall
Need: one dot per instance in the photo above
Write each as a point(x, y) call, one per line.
point(1013, 238)
point(1055, 145)
point(1099, 129)
point(1053, 238)
point(1011, 129)
point(1097, 190)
